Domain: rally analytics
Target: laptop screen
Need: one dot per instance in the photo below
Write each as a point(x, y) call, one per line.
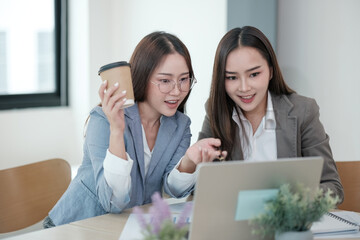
point(219, 183)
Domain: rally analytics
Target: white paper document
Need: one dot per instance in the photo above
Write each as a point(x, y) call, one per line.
point(339, 224)
point(132, 229)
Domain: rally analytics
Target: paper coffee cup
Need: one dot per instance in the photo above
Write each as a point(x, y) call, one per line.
point(119, 72)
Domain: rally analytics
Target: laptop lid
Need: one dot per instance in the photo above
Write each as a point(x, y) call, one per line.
point(218, 185)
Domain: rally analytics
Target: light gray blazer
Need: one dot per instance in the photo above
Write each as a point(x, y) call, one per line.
point(299, 133)
point(89, 195)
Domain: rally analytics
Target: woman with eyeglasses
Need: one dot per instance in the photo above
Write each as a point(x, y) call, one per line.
point(255, 115)
point(128, 153)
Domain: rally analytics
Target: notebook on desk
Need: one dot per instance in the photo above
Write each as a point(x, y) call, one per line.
point(336, 223)
point(218, 186)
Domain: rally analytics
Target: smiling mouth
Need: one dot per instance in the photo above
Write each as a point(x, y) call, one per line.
point(172, 101)
point(247, 99)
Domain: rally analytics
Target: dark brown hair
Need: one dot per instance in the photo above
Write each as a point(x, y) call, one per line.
point(221, 106)
point(147, 56)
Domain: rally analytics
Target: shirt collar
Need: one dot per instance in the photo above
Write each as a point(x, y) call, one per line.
point(270, 121)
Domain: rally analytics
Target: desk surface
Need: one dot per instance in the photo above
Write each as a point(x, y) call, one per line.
point(105, 227)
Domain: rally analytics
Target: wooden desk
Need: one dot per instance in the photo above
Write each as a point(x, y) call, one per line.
point(104, 227)
point(67, 231)
point(114, 223)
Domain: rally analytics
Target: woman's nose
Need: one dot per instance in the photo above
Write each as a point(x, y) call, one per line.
point(243, 85)
point(176, 89)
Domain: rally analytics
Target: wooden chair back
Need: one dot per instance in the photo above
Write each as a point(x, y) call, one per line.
point(28, 193)
point(349, 173)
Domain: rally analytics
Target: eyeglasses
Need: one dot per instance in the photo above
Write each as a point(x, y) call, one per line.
point(184, 84)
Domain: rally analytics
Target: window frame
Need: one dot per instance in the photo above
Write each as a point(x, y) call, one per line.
point(60, 96)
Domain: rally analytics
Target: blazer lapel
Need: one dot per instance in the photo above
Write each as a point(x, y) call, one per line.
point(164, 136)
point(286, 127)
point(134, 123)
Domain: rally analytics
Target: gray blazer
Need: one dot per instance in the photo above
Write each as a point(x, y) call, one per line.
point(89, 195)
point(299, 133)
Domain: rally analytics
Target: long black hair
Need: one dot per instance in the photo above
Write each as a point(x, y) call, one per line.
point(221, 106)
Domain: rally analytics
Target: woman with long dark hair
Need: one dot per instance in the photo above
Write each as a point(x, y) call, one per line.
point(254, 115)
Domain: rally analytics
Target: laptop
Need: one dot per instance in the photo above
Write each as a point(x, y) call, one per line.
point(218, 185)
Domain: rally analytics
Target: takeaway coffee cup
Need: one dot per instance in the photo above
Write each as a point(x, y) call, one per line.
point(119, 72)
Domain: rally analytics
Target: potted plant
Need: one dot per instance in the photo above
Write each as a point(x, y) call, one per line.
point(161, 225)
point(291, 213)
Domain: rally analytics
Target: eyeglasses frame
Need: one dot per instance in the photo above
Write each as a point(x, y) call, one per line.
point(178, 84)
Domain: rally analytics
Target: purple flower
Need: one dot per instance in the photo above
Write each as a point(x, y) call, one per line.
point(159, 212)
point(155, 220)
point(140, 217)
point(159, 215)
point(161, 206)
point(184, 215)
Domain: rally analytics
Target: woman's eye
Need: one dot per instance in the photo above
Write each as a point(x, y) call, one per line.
point(184, 79)
point(166, 81)
point(254, 74)
point(230, 77)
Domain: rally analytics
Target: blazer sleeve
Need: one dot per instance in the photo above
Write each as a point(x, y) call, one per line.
point(96, 145)
point(315, 142)
point(179, 153)
point(206, 129)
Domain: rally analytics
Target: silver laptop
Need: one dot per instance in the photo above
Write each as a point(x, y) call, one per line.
point(219, 183)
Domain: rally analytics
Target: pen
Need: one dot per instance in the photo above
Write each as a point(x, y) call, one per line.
point(221, 157)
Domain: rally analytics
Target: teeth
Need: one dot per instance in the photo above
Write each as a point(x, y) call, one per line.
point(171, 101)
point(247, 97)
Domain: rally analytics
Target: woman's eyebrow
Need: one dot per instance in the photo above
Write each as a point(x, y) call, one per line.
point(169, 74)
point(229, 72)
point(185, 73)
point(252, 69)
point(248, 70)
point(166, 74)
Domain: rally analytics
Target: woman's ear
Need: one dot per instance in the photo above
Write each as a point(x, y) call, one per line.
point(271, 72)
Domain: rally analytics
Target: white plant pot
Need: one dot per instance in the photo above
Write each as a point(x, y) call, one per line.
point(304, 235)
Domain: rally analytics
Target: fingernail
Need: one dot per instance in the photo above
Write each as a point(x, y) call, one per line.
point(116, 84)
point(104, 90)
point(104, 82)
point(124, 99)
point(123, 91)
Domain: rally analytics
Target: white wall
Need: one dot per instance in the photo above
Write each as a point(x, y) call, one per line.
point(102, 32)
point(261, 14)
point(130, 21)
point(319, 50)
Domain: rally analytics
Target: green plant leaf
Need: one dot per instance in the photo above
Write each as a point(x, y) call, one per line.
point(293, 210)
